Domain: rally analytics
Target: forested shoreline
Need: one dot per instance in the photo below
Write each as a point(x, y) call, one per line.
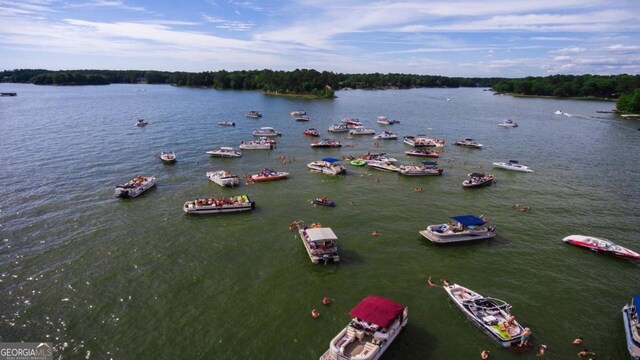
point(307, 82)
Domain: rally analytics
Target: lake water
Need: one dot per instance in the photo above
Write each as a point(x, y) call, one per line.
point(102, 277)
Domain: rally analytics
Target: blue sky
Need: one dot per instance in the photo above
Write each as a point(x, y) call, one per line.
point(482, 38)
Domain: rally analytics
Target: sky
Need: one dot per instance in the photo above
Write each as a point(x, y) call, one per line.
point(468, 38)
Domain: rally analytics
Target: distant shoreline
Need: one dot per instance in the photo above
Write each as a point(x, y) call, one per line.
point(559, 97)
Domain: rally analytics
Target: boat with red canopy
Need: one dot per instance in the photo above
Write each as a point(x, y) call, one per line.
point(376, 322)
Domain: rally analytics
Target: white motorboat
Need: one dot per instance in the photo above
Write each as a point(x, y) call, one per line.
point(470, 143)
point(492, 316)
point(266, 132)
point(362, 131)
point(329, 166)
point(632, 326)
point(475, 180)
point(382, 165)
point(426, 169)
point(382, 120)
point(268, 175)
point(338, 128)
point(386, 135)
point(423, 153)
point(221, 205)
point(326, 143)
point(381, 157)
point(303, 118)
point(226, 123)
point(223, 178)
point(168, 157)
point(512, 165)
point(423, 141)
point(253, 115)
point(321, 244)
point(298, 113)
point(262, 144)
point(602, 245)
point(463, 228)
point(375, 324)
point(135, 186)
point(508, 123)
point(226, 152)
point(559, 112)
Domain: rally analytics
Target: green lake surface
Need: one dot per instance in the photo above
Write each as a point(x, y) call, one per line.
point(102, 277)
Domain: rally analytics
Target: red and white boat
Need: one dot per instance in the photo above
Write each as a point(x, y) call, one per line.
point(352, 122)
point(312, 132)
point(268, 175)
point(601, 245)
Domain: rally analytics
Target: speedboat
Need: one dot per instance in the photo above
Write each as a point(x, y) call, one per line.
point(375, 324)
point(423, 141)
point(142, 123)
point(321, 244)
point(262, 144)
point(470, 143)
point(427, 168)
point(221, 205)
point(302, 118)
point(226, 123)
point(383, 165)
point(512, 165)
point(267, 132)
point(382, 157)
point(227, 152)
point(477, 180)
point(601, 245)
point(323, 202)
point(311, 132)
point(338, 128)
point(298, 113)
point(253, 115)
point(423, 153)
point(491, 315)
point(362, 131)
point(329, 166)
point(386, 135)
point(463, 228)
point(326, 143)
point(135, 186)
point(223, 178)
point(632, 327)
point(559, 112)
point(351, 122)
point(384, 121)
point(268, 175)
point(168, 157)
point(508, 123)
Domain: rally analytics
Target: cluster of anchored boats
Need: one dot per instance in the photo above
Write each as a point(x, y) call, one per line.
point(377, 321)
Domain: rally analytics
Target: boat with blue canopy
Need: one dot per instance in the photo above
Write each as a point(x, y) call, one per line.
point(632, 327)
point(462, 228)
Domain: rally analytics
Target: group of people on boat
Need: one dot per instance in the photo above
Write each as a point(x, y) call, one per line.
point(213, 201)
point(135, 182)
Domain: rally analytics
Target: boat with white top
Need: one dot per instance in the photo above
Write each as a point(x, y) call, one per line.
point(225, 152)
point(221, 205)
point(508, 123)
point(383, 165)
point(423, 153)
point(268, 175)
point(463, 228)
point(168, 157)
point(326, 143)
point(223, 178)
point(262, 144)
point(368, 157)
point(329, 166)
point(298, 113)
point(512, 165)
point(470, 143)
point(559, 112)
point(362, 131)
point(601, 245)
point(386, 135)
point(426, 169)
point(384, 121)
point(303, 118)
point(423, 141)
point(266, 132)
point(226, 123)
point(135, 186)
point(475, 180)
point(632, 326)
point(253, 115)
point(321, 244)
point(375, 324)
point(491, 315)
point(338, 128)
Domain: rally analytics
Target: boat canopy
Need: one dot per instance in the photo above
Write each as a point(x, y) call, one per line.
point(513, 161)
point(468, 220)
point(330, 160)
point(430, 163)
point(636, 300)
point(377, 310)
point(321, 234)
